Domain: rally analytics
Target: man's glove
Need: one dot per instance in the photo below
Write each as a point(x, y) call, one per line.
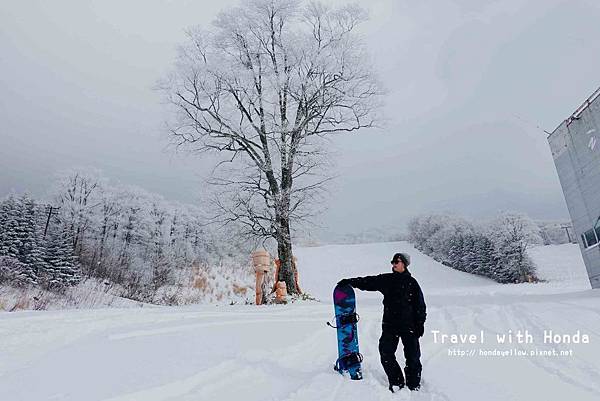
point(419, 329)
point(344, 281)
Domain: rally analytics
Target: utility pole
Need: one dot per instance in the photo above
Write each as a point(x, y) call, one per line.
point(50, 211)
point(566, 227)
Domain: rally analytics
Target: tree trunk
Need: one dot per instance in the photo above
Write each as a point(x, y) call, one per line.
point(284, 250)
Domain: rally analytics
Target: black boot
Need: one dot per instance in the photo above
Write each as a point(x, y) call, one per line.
point(396, 387)
point(396, 384)
point(413, 380)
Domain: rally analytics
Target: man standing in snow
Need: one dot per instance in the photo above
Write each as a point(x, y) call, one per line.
point(404, 315)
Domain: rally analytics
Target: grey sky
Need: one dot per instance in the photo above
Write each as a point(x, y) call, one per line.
point(468, 81)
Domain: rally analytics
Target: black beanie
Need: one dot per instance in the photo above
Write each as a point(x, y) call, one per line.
point(403, 257)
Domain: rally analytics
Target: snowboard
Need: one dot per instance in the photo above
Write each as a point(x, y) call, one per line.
point(349, 359)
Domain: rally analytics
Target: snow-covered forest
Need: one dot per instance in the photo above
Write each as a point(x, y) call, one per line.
point(496, 249)
point(135, 243)
point(91, 236)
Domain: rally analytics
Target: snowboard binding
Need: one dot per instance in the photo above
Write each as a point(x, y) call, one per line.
point(345, 362)
point(351, 364)
point(346, 319)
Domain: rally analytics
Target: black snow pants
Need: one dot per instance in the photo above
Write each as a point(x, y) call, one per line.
point(388, 343)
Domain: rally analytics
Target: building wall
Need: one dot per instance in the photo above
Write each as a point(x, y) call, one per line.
point(577, 158)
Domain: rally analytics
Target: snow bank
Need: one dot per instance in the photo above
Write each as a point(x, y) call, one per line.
point(88, 294)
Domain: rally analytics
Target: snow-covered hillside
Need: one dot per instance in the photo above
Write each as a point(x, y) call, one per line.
point(249, 353)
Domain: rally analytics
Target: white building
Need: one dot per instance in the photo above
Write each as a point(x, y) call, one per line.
point(575, 146)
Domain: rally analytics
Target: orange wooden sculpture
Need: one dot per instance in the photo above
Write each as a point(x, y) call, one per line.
point(294, 268)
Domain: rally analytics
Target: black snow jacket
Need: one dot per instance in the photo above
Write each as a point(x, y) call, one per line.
point(403, 303)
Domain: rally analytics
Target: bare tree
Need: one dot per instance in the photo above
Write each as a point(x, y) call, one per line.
point(75, 195)
point(267, 83)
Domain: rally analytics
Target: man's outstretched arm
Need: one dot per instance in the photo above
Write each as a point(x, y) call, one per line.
point(367, 283)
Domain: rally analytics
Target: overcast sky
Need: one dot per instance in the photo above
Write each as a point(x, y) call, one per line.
point(468, 80)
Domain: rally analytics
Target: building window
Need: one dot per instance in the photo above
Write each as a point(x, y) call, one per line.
point(590, 238)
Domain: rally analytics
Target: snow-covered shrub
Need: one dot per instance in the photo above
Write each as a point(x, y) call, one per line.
point(88, 293)
point(496, 249)
point(443, 239)
point(511, 234)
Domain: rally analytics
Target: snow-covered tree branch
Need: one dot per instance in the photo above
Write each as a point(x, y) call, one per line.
point(266, 83)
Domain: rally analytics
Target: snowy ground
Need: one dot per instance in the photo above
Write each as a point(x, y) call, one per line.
point(286, 352)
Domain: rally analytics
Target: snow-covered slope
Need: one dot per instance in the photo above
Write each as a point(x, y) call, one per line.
point(286, 352)
point(322, 267)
